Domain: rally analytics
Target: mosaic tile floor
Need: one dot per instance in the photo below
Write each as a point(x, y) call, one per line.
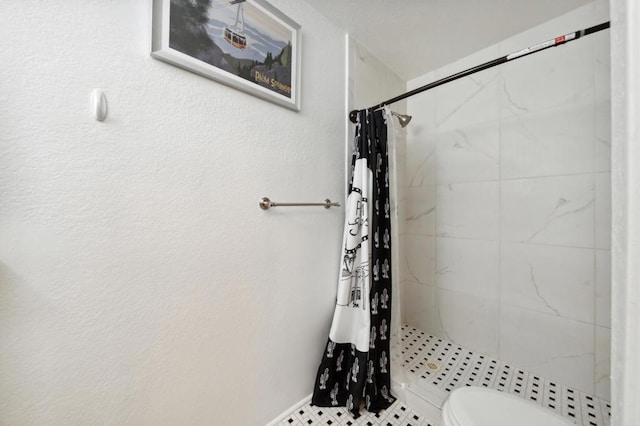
point(396, 415)
point(435, 367)
point(439, 367)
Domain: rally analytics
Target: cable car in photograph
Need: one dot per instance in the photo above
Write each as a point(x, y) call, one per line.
point(235, 35)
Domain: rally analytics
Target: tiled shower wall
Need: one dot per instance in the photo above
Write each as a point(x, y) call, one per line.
point(507, 220)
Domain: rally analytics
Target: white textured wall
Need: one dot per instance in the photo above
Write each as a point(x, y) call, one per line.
point(139, 281)
point(508, 205)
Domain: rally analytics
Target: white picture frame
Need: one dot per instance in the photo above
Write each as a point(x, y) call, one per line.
point(245, 44)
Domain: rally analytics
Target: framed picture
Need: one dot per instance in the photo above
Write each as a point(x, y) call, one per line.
point(246, 44)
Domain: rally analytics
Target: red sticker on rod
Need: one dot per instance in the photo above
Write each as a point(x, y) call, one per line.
point(560, 39)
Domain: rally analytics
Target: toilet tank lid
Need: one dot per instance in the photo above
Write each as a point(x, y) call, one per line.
point(479, 406)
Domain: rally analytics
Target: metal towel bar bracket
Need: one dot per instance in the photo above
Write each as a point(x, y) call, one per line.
point(266, 204)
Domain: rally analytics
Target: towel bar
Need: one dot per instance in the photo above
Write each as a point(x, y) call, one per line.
point(265, 204)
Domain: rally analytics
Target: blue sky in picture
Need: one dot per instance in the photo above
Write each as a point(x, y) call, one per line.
point(263, 33)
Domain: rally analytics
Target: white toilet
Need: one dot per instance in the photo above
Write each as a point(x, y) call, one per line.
point(478, 406)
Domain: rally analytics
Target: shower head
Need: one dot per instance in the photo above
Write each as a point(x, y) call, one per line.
point(404, 119)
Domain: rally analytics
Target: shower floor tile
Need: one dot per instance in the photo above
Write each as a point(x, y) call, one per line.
point(438, 366)
point(396, 415)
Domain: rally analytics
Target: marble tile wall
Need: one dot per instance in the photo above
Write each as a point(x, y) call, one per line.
point(507, 205)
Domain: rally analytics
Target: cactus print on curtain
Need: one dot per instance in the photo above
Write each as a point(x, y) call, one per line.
point(355, 370)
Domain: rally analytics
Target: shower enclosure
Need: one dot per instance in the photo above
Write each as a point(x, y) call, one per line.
point(504, 223)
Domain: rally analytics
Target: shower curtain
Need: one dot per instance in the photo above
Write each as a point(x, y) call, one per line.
point(355, 367)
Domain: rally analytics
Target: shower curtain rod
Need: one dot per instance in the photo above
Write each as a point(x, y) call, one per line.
point(519, 54)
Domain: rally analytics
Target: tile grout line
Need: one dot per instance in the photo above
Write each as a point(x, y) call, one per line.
point(500, 283)
point(595, 207)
